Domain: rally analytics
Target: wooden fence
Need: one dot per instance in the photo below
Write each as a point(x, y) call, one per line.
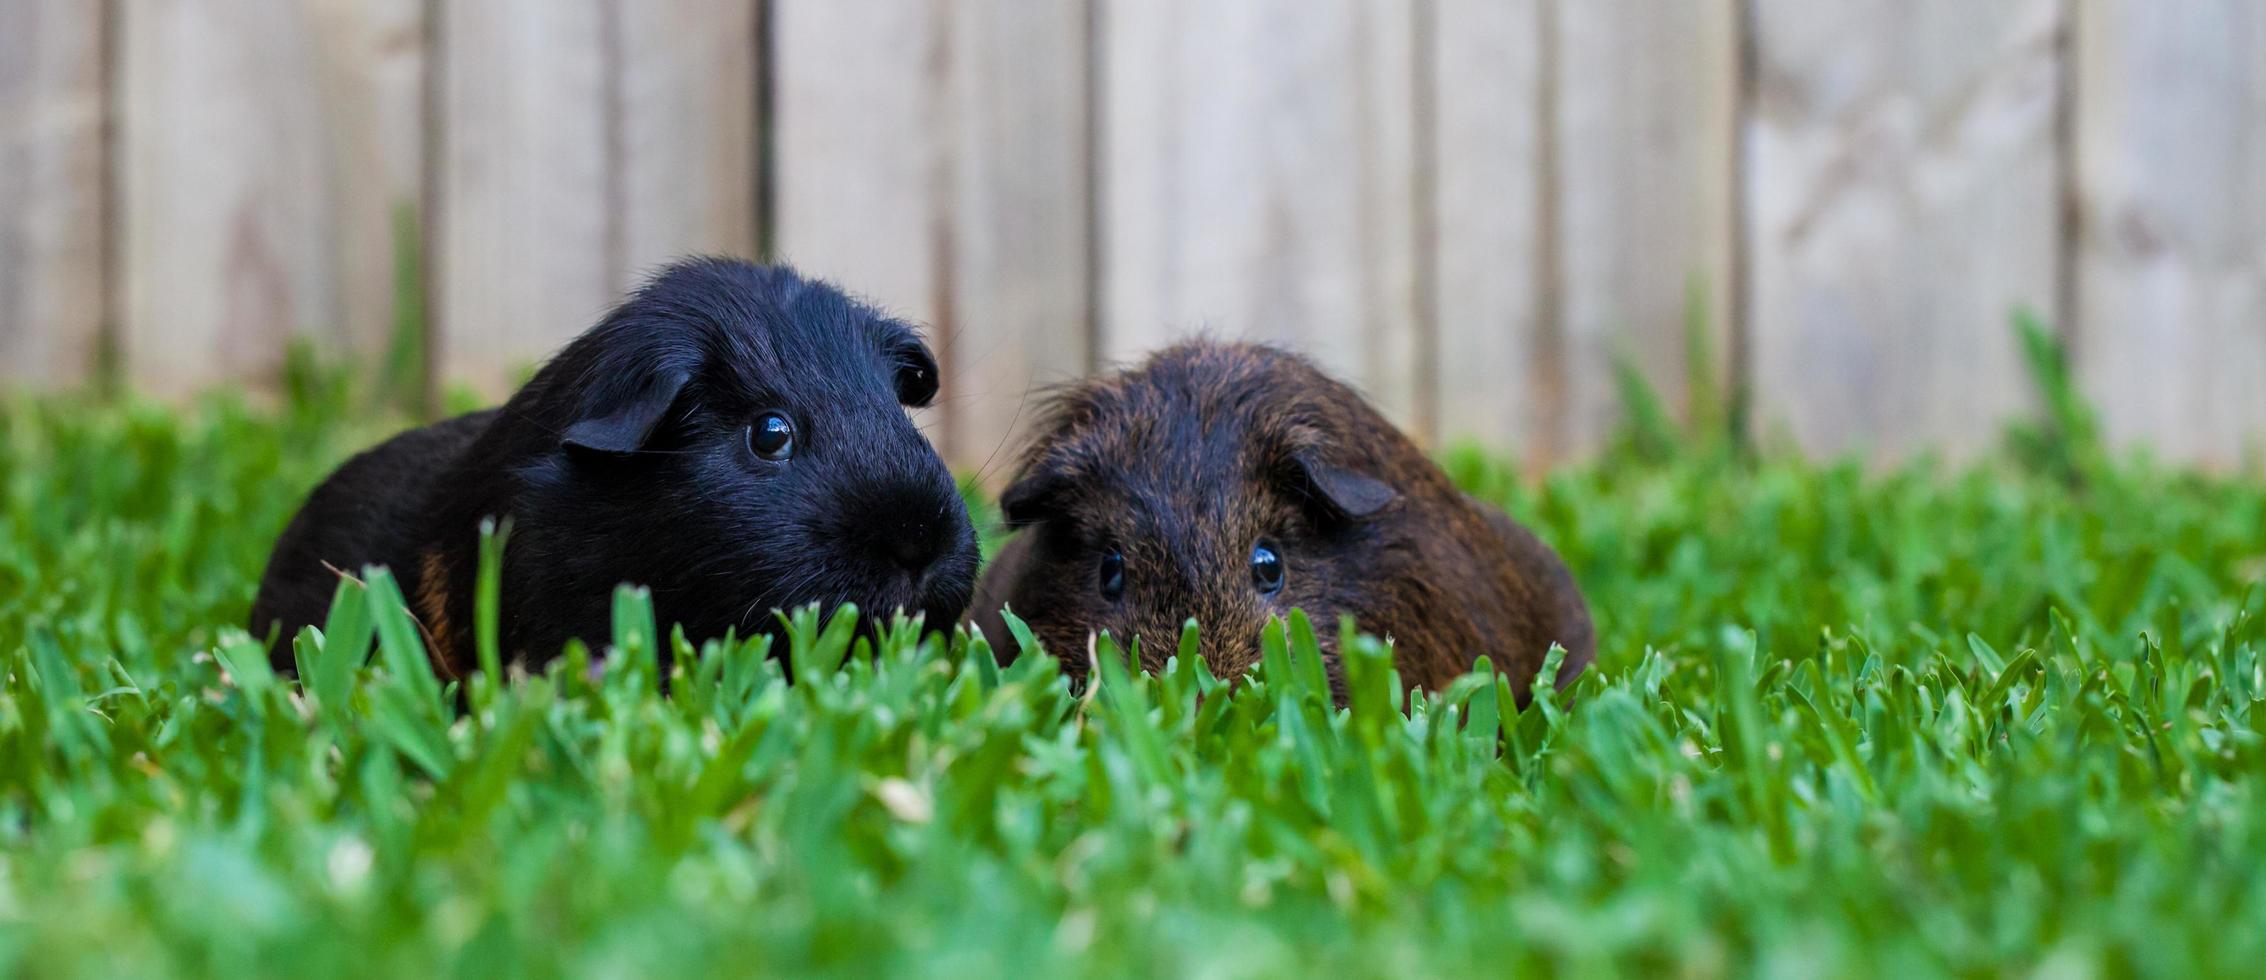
point(1470, 207)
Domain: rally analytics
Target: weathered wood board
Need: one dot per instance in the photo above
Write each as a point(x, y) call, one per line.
point(859, 147)
point(685, 138)
point(1257, 160)
point(1642, 144)
point(1903, 196)
point(523, 246)
point(1019, 313)
point(53, 220)
point(263, 146)
point(2171, 191)
point(1486, 214)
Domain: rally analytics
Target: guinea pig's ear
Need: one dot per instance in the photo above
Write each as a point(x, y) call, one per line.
point(623, 419)
point(1034, 498)
point(1341, 494)
point(916, 370)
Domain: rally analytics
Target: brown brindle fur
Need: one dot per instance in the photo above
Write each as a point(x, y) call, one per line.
point(1183, 463)
point(432, 610)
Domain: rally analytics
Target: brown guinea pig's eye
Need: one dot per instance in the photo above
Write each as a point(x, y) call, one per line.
point(1111, 575)
point(772, 437)
point(1266, 567)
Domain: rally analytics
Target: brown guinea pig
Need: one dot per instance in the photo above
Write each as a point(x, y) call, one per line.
point(1235, 482)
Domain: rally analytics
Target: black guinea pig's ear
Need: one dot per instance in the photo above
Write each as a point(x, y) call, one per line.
point(1337, 493)
point(916, 370)
point(622, 419)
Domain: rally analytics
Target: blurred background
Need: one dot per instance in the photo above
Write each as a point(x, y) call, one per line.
point(1477, 210)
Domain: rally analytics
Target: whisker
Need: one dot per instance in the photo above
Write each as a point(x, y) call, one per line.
point(1017, 418)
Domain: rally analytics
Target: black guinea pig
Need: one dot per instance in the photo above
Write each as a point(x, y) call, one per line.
point(1234, 482)
point(734, 437)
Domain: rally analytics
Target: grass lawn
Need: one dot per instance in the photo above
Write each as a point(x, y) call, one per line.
point(1935, 719)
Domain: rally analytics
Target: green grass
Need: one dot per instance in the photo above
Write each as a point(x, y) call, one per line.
point(1928, 720)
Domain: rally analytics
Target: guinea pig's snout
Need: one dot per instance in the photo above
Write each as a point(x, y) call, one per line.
point(911, 542)
point(910, 528)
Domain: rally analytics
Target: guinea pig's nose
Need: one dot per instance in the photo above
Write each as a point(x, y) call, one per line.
point(912, 543)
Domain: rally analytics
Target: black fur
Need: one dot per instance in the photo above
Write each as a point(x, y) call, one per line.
point(626, 459)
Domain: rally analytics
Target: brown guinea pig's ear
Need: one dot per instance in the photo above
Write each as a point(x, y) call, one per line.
point(1341, 494)
point(1034, 498)
point(623, 420)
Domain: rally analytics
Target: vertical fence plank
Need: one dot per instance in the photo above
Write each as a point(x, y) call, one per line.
point(1644, 145)
point(1020, 311)
point(522, 234)
point(1257, 165)
point(370, 65)
point(858, 147)
point(583, 145)
point(1486, 91)
point(256, 180)
point(223, 219)
point(1904, 193)
point(686, 135)
point(858, 131)
point(946, 179)
point(2171, 179)
point(52, 221)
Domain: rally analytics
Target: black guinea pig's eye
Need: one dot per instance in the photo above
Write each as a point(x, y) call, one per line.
point(916, 384)
point(772, 437)
point(1111, 575)
point(1266, 567)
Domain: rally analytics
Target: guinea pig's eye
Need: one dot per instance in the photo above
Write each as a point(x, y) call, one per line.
point(772, 437)
point(1266, 567)
point(1111, 575)
point(916, 385)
